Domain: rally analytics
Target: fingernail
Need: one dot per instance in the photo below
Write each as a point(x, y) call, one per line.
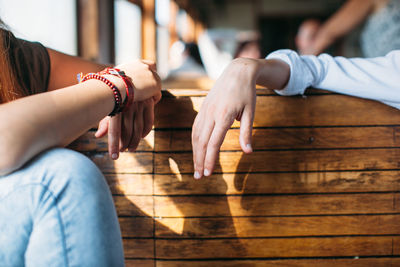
point(114, 156)
point(206, 172)
point(249, 147)
point(197, 175)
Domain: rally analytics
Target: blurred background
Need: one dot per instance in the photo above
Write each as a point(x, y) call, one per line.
point(186, 38)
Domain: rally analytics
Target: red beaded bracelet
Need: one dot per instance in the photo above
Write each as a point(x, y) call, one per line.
point(113, 87)
point(128, 85)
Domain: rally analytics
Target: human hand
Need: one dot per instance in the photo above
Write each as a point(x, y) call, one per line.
point(233, 96)
point(306, 36)
point(144, 77)
point(126, 129)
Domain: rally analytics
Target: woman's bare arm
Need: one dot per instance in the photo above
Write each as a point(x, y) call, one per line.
point(349, 16)
point(64, 69)
point(33, 124)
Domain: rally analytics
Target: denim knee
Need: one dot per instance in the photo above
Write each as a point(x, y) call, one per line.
point(65, 171)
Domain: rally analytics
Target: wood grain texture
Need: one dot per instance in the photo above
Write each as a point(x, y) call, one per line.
point(127, 162)
point(357, 262)
point(277, 247)
point(276, 205)
point(136, 226)
point(242, 227)
point(134, 205)
point(278, 183)
point(291, 138)
point(89, 143)
point(319, 110)
point(139, 248)
point(286, 161)
point(139, 263)
point(130, 184)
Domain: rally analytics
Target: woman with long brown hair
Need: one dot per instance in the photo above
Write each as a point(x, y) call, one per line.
point(55, 206)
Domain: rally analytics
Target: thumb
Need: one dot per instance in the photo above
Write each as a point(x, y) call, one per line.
point(103, 127)
point(246, 128)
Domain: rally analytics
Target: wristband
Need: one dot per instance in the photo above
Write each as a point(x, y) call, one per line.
point(128, 85)
point(113, 87)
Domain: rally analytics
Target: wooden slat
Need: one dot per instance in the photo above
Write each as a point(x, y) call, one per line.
point(278, 183)
point(278, 111)
point(148, 30)
point(89, 143)
point(134, 205)
point(277, 247)
point(139, 248)
point(127, 163)
point(199, 206)
point(136, 226)
point(88, 29)
point(139, 263)
point(130, 184)
point(284, 161)
point(356, 262)
point(240, 227)
point(291, 138)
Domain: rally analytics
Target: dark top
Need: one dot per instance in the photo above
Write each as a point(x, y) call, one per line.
point(32, 64)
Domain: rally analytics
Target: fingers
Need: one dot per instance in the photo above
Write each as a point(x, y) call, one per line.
point(103, 127)
point(137, 127)
point(148, 117)
point(157, 97)
point(214, 145)
point(127, 127)
point(114, 135)
point(201, 133)
point(151, 64)
point(246, 128)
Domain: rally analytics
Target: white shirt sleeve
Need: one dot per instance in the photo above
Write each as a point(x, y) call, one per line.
point(372, 78)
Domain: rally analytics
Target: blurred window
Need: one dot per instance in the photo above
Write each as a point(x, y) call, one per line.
point(51, 22)
point(128, 32)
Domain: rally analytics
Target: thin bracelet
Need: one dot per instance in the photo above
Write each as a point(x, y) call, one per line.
point(113, 87)
point(128, 85)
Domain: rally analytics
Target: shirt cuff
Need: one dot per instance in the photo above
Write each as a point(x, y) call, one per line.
point(300, 76)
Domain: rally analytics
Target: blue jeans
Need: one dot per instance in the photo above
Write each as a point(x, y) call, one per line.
point(58, 211)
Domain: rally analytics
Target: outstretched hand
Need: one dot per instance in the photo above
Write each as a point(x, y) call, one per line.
point(233, 96)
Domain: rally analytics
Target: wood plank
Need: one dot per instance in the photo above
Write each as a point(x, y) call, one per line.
point(200, 86)
point(278, 183)
point(285, 161)
point(127, 162)
point(130, 184)
point(315, 110)
point(276, 205)
point(89, 143)
point(242, 227)
point(138, 248)
point(136, 226)
point(291, 138)
point(277, 247)
point(88, 29)
point(134, 205)
point(149, 30)
point(139, 263)
point(356, 262)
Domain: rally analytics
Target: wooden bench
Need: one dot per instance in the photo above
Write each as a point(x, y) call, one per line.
point(321, 188)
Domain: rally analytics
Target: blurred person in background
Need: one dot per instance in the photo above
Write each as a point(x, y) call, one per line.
point(219, 46)
point(187, 61)
point(380, 34)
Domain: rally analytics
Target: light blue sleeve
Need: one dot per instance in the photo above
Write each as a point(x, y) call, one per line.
point(372, 78)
